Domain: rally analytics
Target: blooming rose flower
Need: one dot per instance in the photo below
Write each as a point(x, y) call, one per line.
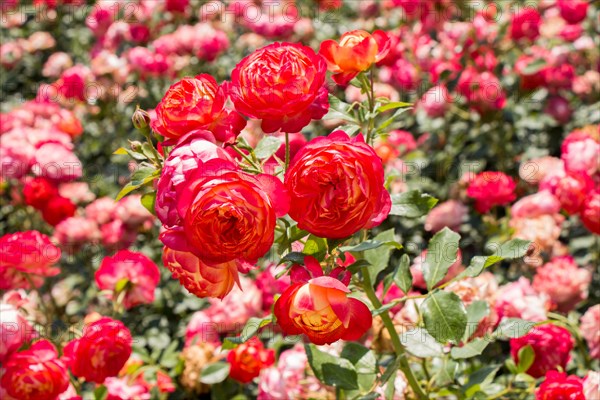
point(35, 373)
point(57, 162)
point(558, 385)
point(436, 101)
point(544, 168)
point(356, 52)
point(58, 209)
point(590, 330)
point(551, 345)
point(447, 214)
point(101, 210)
point(283, 85)
point(38, 191)
point(77, 192)
point(14, 330)
point(227, 214)
point(131, 211)
point(321, 309)
point(540, 203)
point(581, 153)
point(591, 385)
point(197, 103)
point(482, 90)
point(24, 255)
point(519, 300)
point(525, 24)
point(248, 359)
point(191, 151)
point(200, 279)
point(491, 189)
point(563, 281)
point(124, 388)
point(590, 212)
point(573, 11)
point(529, 80)
point(75, 231)
point(571, 191)
point(336, 186)
point(139, 271)
point(101, 352)
point(115, 235)
point(558, 108)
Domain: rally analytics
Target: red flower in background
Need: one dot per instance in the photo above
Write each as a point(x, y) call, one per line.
point(560, 386)
point(24, 257)
point(590, 212)
point(38, 192)
point(283, 85)
point(551, 345)
point(58, 209)
point(248, 359)
point(356, 52)
point(526, 24)
point(491, 189)
point(227, 214)
point(336, 186)
point(101, 352)
point(319, 307)
point(573, 11)
point(572, 190)
point(140, 273)
point(200, 279)
point(197, 103)
point(35, 373)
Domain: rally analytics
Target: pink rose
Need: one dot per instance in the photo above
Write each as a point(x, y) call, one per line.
point(447, 214)
point(563, 281)
point(57, 162)
point(436, 101)
point(519, 300)
point(590, 330)
point(101, 210)
point(534, 205)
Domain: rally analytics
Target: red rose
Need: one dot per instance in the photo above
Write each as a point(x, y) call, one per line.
point(491, 189)
point(200, 279)
point(282, 84)
point(573, 11)
point(248, 359)
point(141, 273)
point(526, 24)
point(572, 190)
point(551, 345)
point(482, 90)
point(58, 209)
point(101, 352)
point(197, 103)
point(35, 373)
point(26, 254)
point(38, 191)
point(336, 186)
point(590, 212)
point(227, 214)
point(356, 52)
point(558, 386)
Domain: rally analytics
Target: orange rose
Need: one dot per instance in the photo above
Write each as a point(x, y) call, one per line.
point(202, 280)
point(321, 309)
point(197, 103)
point(355, 53)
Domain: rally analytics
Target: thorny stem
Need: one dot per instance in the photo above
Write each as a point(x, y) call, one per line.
point(398, 346)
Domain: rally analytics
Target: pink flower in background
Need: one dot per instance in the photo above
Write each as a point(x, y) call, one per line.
point(123, 388)
point(535, 205)
point(482, 90)
point(76, 231)
point(563, 281)
point(571, 191)
point(436, 101)
point(77, 192)
point(525, 24)
point(590, 212)
point(590, 330)
point(131, 211)
point(15, 330)
point(551, 344)
point(558, 108)
point(519, 300)
point(138, 271)
point(537, 170)
point(591, 385)
point(449, 214)
point(491, 189)
point(56, 64)
point(581, 153)
point(26, 255)
point(56, 162)
point(115, 235)
point(101, 210)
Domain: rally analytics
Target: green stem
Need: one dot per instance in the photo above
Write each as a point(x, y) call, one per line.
point(246, 158)
point(371, 97)
point(398, 346)
point(287, 151)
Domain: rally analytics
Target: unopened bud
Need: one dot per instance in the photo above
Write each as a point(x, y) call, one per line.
point(141, 119)
point(135, 145)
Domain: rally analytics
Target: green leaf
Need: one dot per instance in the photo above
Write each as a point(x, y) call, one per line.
point(142, 173)
point(476, 311)
point(402, 276)
point(148, 200)
point(250, 329)
point(364, 362)
point(515, 248)
point(442, 252)
point(526, 358)
point(100, 393)
point(316, 247)
point(120, 151)
point(141, 177)
point(393, 105)
point(267, 147)
point(512, 328)
point(379, 258)
point(412, 204)
point(446, 372)
point(421, 344)
point(294, 257)
point(369, 245)
point(445, 316)
point(470, 349)
point(480, 379)
point(215, 373)
point(534, 66)
point(331, 370)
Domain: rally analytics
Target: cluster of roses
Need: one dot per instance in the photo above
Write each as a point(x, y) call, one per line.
point(219, 219)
